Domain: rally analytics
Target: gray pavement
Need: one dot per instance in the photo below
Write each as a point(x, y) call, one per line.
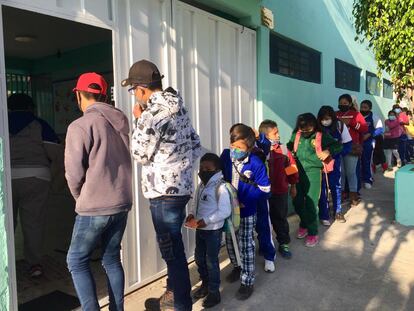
point(364, 264)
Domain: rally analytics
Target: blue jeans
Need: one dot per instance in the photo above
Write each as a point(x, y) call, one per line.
point(334, 179)
point(348, 172)
point(87, 233)
point(168, 214)
point(206, 255)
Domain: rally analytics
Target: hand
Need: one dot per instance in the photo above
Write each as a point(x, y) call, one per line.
point(366, 136)
point(323, 155)
point(346, 121)
point(293, 191)
point(137, 111)
point(201, 224)
point(189, 217)
point(256, 133)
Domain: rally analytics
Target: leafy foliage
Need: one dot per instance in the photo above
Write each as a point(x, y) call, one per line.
point(388, 27)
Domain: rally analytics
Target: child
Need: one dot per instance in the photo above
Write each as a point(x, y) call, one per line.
point(211, 208)
point(247, 173)
point(331, 125)
point(312, 151)
point(357, 127)
point(402, 147)
point(375, 129)
point(282, 172)
point(392, 136)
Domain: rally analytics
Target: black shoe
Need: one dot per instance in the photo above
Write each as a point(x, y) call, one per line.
point(244, 292)
point(285, 251)
point(212, 299)
point(201, 292)
point(234, 275)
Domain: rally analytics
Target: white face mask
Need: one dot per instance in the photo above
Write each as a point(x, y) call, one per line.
point(326, 123)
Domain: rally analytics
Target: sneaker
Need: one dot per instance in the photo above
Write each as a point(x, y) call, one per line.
point(269, 266)
point(165, 302)
point(367, 186)
point(390, 169)
point(325, 223)
point(399, 164)
point(284, 251)
point(244, 292)
point(234, 275)
point(311, 240)
point(212, 299)
point(36, 271)
point(302, 233)
point(339, 217)
point(201, 292)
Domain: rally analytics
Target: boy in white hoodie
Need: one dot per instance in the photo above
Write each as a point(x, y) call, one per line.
point(212, 206)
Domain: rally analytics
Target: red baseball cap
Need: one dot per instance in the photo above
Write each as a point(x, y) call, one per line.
point(85, 80)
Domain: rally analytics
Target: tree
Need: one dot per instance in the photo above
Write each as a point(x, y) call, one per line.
point(388, 27)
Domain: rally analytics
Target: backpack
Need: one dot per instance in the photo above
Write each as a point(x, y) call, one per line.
point(234, 219)
point(289, 168)
point(328, 164)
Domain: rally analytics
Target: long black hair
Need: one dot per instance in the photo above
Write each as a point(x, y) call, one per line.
point(328, 111)
point(307, 120)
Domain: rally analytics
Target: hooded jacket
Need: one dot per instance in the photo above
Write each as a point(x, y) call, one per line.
point(98, 162)
point(166, 145)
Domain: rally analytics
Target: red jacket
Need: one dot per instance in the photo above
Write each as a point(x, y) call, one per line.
point(357, 125)
point(277, 162)
point(403, 118)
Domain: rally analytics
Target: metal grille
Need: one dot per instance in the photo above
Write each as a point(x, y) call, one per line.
point(18, 83)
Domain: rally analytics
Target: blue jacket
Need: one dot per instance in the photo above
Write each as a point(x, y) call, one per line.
point(248, 194)
point(337, 135)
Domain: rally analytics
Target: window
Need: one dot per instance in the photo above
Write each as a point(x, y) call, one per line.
point(372, 84)
point(347, 76)
point(292, 59)
point(388, 90)
point(18, 83)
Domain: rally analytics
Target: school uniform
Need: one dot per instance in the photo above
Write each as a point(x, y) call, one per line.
point(248, 194)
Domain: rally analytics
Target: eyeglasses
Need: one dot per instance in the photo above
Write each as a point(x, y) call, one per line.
point(132, 90)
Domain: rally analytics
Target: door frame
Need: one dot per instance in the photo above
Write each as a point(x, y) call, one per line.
point(4, 127)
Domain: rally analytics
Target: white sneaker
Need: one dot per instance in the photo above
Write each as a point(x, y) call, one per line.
point(269, 266)
point(325, 223)
point(367, 186)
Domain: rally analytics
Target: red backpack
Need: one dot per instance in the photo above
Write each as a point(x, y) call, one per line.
point(328, 164)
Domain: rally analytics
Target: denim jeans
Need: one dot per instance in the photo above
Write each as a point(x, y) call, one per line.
point(87, 233)
point(206, 255)
point(168, 214)
point(348, 172)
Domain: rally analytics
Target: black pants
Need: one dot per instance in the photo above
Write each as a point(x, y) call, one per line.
point(278, 210)
point(379, 156)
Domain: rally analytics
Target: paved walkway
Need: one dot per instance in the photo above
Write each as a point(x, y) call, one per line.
point(364, 264)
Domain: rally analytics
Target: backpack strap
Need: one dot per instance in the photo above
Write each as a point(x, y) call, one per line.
point(297, 140)
point(318, 142)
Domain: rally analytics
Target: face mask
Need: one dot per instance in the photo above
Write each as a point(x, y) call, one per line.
point(308, 134)
point(205, 176)
point(274, 142)
point(364, 113)
point(238, 154)
point(326, 123)
point(343, 108)
point(397, 110)
point(392, 118)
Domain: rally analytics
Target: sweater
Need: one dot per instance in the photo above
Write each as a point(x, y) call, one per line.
point(357, 125)
point(392, 129)
point(306, 157)
point(98, 161)
point(248, 194)
point(212, 203)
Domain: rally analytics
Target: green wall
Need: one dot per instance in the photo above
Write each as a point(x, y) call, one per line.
point(324, 25)
point(4, 290)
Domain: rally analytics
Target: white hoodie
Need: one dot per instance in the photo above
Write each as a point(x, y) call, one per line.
point(211, 205)
point(165, 143)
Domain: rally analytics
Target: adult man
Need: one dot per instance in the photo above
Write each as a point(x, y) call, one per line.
point(98, 171)
point(33, 148)
point(375, 129)
point(166, 145)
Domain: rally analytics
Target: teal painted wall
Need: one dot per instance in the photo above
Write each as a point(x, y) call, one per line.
point(324, 25)
point(4, 289)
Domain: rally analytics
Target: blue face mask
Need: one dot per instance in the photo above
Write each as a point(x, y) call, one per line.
point(238, 154)
point(397, 110)
point(392, 118)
